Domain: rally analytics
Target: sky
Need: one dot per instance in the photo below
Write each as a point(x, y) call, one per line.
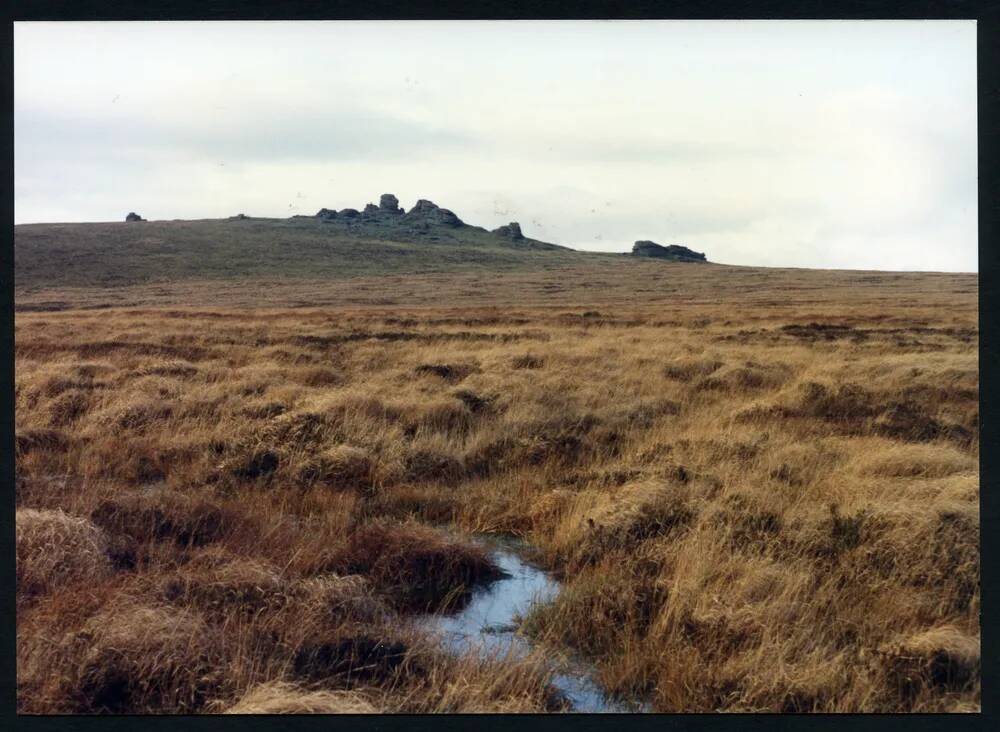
point(832, 144)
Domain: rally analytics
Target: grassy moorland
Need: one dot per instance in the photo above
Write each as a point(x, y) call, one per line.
point(116, 255)
point(759, 487)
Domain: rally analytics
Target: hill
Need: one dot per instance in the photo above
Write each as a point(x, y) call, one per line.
point(330, 245)
point(383, 256)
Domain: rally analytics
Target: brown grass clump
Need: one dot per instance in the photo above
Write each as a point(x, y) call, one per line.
point(341, 466)
point(346, 598)
point(473, 685)
point(225, 586)
point(431, 465)
point(145, 659)
point(68, 407)
point(528, 361)
point(749, 377)
point(452, 373)
point(136, 416)
point(917, 461)
point(54, 548)
point(418, 567)
point(221, 586)
point(638, 513)
point(122, 655)
point(688, 370)
point(159, 515)
point(282, 697)
point(251, 462)
point(349, 658)
point(942, 658)
point(40, 440)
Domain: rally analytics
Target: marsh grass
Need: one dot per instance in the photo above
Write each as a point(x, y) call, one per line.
point(765, 508)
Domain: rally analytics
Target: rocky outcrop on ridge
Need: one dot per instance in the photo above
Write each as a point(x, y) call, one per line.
point(510, 231)
point(423, 214)
point(426, 221)
point(430, 211)
point(674, 252)
point(388, 211)
point(388, 203)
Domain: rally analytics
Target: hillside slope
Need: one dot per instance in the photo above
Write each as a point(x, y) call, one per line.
point(384, 256)
point(121, 254)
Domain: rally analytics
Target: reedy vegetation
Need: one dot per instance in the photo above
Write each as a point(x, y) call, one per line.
point(758, 508)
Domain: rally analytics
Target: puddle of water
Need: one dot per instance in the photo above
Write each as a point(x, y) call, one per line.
point(487, 625)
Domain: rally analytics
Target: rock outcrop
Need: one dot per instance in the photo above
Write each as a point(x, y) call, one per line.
point(673, 252)
point(133, 216)
point(430, 211)
point(388, 212)
point(388, 206)
point(425, 222)
point(388, 203)
point(510, 231)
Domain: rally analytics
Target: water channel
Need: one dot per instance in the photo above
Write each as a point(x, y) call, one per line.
point(488, 625)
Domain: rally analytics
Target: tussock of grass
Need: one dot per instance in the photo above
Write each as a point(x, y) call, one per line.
point(125, 656)
point(145, 659)
point(340, 466)
point(940, 658)
point(157, 515)
point(282, 697)
point(43, 440)
point(688, 370)
point(54, 548)
point(917, 461)
point(418, 567)
point(452, 373)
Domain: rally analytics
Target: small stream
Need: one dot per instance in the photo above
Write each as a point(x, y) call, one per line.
point(487, 625)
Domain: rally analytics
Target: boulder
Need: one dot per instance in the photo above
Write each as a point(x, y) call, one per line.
point(430, 211)
point(423, 207)
point(673, 252)
point(326, 213)
point(510, 231)
point(348, 213)
point(370, 209)
point(133, 216)
point(388, 203)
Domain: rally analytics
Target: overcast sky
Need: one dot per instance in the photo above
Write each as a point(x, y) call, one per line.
point(808, 144)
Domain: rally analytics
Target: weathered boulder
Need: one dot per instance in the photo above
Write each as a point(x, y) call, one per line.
point(674, 252)
point(388, 203)
point(326, 213)
point(133, 216)
point(348, 213)
point(370, 209)
point(510, 231)
point(240, 216)
point(424, 209)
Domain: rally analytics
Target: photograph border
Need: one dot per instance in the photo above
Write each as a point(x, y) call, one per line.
point(987, 15)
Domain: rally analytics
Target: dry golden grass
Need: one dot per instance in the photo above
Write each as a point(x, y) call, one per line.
point(763, 497)
point(54, 549)
point(279, 697)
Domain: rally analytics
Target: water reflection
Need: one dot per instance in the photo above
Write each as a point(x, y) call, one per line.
point(487, 624)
